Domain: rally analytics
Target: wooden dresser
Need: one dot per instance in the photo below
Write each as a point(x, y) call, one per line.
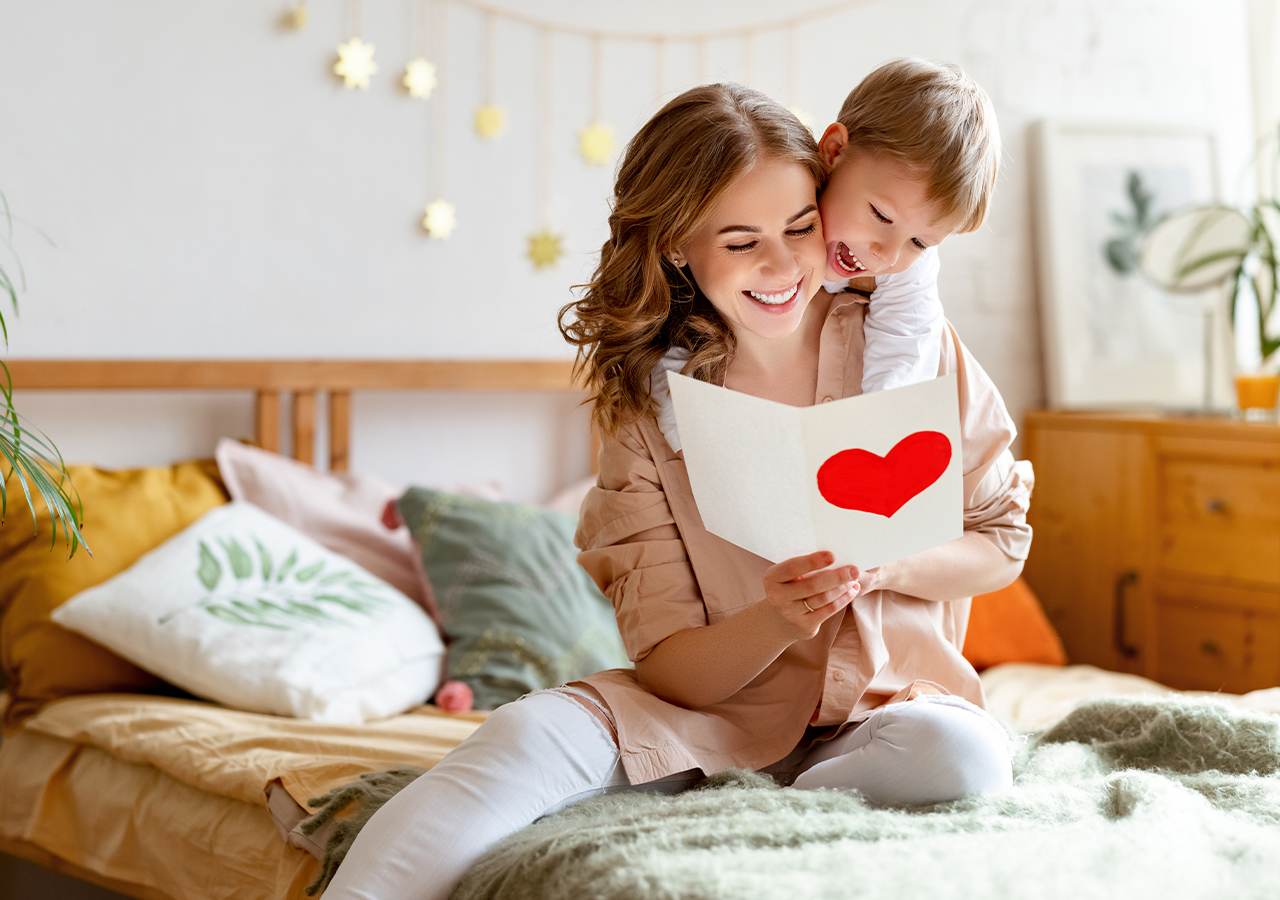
point(1157, 544)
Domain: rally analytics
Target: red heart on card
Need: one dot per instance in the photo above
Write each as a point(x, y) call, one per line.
point(859, 479)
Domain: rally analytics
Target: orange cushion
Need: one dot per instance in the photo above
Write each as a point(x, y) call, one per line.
point(126, 513)
point(1009, 625)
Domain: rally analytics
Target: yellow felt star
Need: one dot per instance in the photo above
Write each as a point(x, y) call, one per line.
point(805, 118)
point(544, 249)
point(440, 220)
point(490, 121)
point(355, 63)
point(595, 143)
point(420, 78)
point(298, 18)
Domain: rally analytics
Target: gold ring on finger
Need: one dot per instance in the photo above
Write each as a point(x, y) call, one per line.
point(807, 606)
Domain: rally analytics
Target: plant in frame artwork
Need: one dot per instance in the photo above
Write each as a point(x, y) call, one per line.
point(1112, 337)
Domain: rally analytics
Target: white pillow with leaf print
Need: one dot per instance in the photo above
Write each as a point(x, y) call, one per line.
point(245, 610)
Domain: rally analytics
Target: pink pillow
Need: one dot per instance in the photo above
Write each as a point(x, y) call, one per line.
point(570, 499)
point(339, 510)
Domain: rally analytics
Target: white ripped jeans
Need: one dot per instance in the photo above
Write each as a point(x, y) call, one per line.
point(546, 751)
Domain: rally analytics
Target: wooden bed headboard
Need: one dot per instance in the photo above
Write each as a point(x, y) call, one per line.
point(305, 380)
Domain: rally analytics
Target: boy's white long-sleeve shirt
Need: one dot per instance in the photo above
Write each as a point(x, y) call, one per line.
point(903, 326)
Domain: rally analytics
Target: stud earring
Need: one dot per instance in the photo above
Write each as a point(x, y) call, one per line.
point(677, 261)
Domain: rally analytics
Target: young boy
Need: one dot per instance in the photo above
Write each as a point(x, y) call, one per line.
point(913, 156)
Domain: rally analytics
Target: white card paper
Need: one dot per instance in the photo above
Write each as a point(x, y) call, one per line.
point(873, 478)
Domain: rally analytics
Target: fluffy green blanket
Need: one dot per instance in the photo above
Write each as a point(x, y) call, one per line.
point(1122, 798)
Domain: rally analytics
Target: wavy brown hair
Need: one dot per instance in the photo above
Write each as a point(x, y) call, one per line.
point(638, 304)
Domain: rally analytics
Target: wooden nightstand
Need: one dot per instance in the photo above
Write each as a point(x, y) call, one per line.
point(1157, 544)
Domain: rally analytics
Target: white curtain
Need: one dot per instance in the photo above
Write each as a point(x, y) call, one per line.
point(1264, 49)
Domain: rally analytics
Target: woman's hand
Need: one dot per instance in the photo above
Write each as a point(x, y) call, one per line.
point(803, 593)
point(705, 664)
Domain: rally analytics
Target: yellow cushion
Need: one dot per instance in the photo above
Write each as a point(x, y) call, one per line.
point(126, 513)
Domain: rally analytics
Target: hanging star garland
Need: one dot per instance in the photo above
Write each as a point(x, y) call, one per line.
point(419, 78)
point(298, 17)
point(440, 219)
point(545, 249)
point(355, 63)
point(595, 143)
point(490, 121)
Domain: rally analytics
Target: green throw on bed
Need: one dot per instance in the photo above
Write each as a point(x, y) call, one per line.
point(1122, 798)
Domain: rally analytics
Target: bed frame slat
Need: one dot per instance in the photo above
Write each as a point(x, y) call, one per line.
point(266, 420)
point(304, 427)
point(339, 431)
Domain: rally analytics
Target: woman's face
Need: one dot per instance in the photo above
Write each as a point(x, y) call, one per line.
point(760, 256)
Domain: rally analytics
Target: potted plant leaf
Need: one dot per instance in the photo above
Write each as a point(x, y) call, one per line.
point(1238, 250)
point(28, 459)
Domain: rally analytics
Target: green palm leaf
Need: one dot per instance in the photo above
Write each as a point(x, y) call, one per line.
point(287, 566)
point(210, 570)
point(310, 571)
point(7, 286)
point(241, 562)
point(230, 615)
point(351, 603)
point(32, 460)
point(308, 611)
point(265, 557)
point(275, 603)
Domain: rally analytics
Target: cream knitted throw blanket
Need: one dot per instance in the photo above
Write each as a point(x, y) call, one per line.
point(1122, 798)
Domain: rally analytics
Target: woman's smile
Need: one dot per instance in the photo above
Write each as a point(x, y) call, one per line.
point(776, 299)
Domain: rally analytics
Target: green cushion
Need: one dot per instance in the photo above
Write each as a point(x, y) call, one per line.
point(521, 613)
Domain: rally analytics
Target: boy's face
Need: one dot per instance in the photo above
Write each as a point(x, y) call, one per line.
point(875, 214)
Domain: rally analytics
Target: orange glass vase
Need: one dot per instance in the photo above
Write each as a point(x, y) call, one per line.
point(1256, 395)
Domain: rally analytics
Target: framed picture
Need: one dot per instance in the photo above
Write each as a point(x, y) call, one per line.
point(1113, 338)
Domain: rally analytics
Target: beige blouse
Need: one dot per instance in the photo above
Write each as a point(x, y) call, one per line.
point(643, 542)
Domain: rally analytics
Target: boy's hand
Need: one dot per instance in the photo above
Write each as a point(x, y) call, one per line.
point(803, 593)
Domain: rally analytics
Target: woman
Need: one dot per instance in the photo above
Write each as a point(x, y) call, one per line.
point(822, 675)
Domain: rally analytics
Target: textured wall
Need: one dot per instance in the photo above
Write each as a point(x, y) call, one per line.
point(212, 191)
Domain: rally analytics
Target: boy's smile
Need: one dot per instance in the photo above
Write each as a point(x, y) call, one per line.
point(876, 212)
point(842, 261)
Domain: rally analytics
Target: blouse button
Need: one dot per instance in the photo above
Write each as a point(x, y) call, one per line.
point(827, 399)
point(838, 675)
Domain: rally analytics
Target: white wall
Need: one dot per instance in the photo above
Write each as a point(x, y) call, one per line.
point(212, 190)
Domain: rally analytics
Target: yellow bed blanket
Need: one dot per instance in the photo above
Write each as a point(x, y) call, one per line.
point(171, 795)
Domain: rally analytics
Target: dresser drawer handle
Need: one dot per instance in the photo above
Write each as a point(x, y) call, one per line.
point(1126, 580)
point(1210, 648)
point(1216, 506)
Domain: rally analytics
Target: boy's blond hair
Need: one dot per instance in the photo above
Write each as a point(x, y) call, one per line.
point(936, 119)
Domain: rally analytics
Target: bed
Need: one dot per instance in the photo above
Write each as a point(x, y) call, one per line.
point(162, 796)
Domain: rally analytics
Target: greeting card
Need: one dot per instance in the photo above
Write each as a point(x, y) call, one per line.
point(872, 478)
